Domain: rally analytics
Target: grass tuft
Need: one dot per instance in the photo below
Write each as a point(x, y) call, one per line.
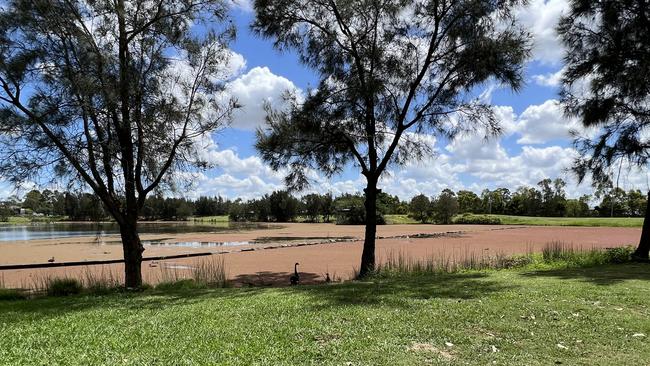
point(63, 287)
point(7, 294)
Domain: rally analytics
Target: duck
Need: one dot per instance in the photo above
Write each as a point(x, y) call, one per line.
point(295, 278)
point(51, 260)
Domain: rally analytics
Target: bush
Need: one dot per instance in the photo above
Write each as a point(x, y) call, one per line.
point(11, 294)
point(619, 255)
point(63, 287)
point(470, 219)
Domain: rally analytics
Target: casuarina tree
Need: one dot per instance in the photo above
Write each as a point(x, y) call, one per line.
point(390, 73)
point(606, 85)
point(114, 94)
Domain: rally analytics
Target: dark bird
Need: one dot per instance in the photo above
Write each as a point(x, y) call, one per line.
point(295, 278)
point(51, 260)
point(327, 278)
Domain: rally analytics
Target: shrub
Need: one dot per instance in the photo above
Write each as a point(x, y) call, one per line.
point(471, 219)
point(63, 287)
point(11, 294)
point(619, 255)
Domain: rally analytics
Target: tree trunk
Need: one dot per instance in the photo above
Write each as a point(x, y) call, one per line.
point(132, 254)
point(644, 244)
point(368, 255)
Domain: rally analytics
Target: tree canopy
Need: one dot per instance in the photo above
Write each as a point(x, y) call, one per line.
point(391, 73)
point(606, 85)
point(112, 93)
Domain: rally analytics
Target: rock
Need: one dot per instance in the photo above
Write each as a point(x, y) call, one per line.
point(449, 344)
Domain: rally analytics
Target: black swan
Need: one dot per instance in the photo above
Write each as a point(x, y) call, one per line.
point(295, 278)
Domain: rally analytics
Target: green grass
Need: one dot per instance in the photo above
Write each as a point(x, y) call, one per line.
point(399, 219)
point(223, 218)
point(543, 221)
point(509, 316)
point(572, 221)
point(30, 219)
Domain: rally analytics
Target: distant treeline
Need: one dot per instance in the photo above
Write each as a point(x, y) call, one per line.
point(547, 199)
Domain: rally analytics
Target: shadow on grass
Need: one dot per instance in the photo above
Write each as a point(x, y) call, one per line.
point(599, 275)
point(393, 292)
point(276, 279)
point(396, 291)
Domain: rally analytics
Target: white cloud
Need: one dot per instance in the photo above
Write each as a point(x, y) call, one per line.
point(551, 79)
point(541, 17)
point(539, 124)
point(252, 90)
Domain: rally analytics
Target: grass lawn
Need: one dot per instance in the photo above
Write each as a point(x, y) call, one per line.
point(571, 221)
point(223, 218)
point(542, 316)
point(399, 219)
point(32, 219)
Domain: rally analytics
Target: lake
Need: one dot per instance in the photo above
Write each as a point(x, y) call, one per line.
point(10, 232)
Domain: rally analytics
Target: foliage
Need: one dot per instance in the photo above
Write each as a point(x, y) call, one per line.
point(606, 80)
point(444, 207)
point(63, 287)
point(350, 210)
point(283, 206)
point(114, 96)
point(420, 208)
point(468, 202)
point(471, 219)
point(620, 255)
point(312, 205)
point(388, 72)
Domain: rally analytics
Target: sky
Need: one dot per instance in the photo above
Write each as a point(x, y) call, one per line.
point(536, 142)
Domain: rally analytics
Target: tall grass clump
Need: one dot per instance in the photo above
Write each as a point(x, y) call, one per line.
point(101, 282)
point(205, 272)
point(211, 271)
point(561, 252)
point(63, 287)
point(402, 263)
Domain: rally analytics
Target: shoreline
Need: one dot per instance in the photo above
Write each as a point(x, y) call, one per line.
point(270, 261)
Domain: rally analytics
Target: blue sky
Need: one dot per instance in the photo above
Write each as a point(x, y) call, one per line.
point(536, 143)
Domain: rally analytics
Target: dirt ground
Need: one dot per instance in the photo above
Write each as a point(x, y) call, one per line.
point(338, 250)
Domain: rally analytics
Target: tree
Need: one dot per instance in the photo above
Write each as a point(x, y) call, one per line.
point(606, 85)
point(327, 207)
point(526, 201)
point(111, 93)
point(445, 207)
point(389, 71)
point(313, 206)
point(468, 202)
point(578, 207)
point(34, 201)
point(636, 203)
point(553, 197)
point(283, 206)
point(420, 208)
